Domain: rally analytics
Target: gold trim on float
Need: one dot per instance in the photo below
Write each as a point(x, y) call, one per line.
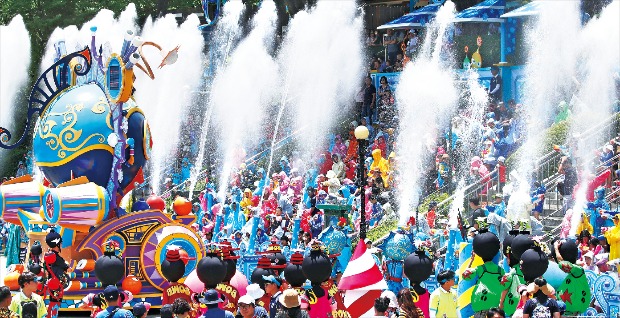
point(76, 181)
point(75, 154)
point(24, 178)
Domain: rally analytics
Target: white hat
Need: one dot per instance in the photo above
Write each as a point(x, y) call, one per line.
point(609, 147)
point(246, 299)
point(254, 291)
point(490, 120)
point(589, 254)
point(392, 297)
point(501, 159)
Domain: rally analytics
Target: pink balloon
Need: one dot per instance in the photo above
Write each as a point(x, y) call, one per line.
point(240, 282)
point(194, 283)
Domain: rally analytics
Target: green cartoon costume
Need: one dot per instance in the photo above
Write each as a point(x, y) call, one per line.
point(574, 291)
point(488, 290)
point(511, 282)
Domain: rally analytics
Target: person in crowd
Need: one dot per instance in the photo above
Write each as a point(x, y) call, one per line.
point(166, 311)
point(272, 288)
point(380, 307)
point(495, 313)
point(21, 170)
point(391, 44)
point(290, 303)
point(541, 304)
point(412, 44)
point(370, 98)
point(111, 295)
point(141, 309)
point(28, 286)
point(495, 88)
point(181, 308)
point(407, 308)
point(443, 299)
point(5, 301)
point(338, 166)
point(477, 211)
point(536, 224)
point(248, 309)
point(212, 300)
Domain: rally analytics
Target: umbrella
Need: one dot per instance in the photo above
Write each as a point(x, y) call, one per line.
point(416, 19)
point(487, 11)
point(530, 9)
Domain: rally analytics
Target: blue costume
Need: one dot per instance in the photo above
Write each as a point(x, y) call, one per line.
point(595, 207)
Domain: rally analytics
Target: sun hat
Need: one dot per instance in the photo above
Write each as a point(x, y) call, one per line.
point(290, 298)
point(209, 297)
point(246, 299)
point(254, 291)
point(392, 297)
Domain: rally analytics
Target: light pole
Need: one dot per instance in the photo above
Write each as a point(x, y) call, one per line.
point(361, 134)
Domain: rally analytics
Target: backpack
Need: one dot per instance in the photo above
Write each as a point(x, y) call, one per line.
point(541, 310)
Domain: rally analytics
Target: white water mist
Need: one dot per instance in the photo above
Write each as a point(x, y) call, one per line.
point(244, 89)
point(321, 63)
point(426, 92)
point(165, 99)
point(226, 33)
point(14, 64)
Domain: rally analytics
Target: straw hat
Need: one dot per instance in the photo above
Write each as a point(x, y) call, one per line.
point(290, 299)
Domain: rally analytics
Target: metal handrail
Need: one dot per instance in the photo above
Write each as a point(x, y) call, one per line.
point(545, 164)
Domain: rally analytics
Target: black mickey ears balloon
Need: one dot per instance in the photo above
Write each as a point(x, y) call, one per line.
point(486, 245)
point(211, 269)
point(109, 268)
point(36, 249)
point(293, 272)
point(520, 244)
point(534, 263)
point(262, 269)
point(568, 250)
point(507, 248)
point(317, 266)
point(418, 267)
point(173, 267)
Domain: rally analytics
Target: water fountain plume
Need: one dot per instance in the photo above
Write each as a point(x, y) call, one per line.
point(227, 32)
point(421, 106)
point(166, 99)
point(599, 51)
point(15, 61)
point(109, 30)
point(321, 59)
point(551, 62)
point(240, 96)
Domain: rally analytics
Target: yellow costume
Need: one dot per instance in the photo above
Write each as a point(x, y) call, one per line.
point(613, 239)
point(584, 225)
point(378, 162)
point(246, 202)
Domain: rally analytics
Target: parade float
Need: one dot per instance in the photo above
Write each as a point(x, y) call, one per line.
point(91, 142)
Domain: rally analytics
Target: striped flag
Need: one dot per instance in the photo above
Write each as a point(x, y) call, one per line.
point(363, 282)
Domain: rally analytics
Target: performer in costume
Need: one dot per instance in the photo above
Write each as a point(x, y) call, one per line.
point(574, 291)
point(56, 269)
point(488, 290)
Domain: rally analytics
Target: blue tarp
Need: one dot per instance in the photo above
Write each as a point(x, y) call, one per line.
point(416, 19)
point(487, 11)
point(530, 9)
